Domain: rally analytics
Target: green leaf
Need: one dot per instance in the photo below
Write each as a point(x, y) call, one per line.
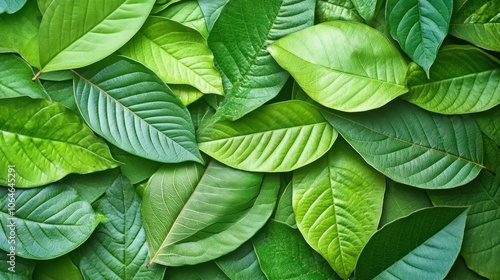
point(22, 268)
point(177, 53)
point(194, 214)
point(91, 187)
point(62, 92)
point(328, 10)
point(239, 40)
point(189, 14)
point(61, 268)
point(420, 27)
point(478, 21)
point(136, 169)
point(118, 248)
point(462, 272)
point(241, 264)
point(481, 247)
point(463, 80)
point(211, 10)
point(128, 105)
point(204, 271)
point(489, 123)
point(45, 141)
point(15, 79)
point(366, 8)
point(187, 94)
point(365, 71)
point(57, 218)
point(284, 254)
point(424, 245)
point(274, 138)
point(43, 5)
point(11, 6)
point(81, 32)
point(413, 146)
point(284, 210)
point(337, 201)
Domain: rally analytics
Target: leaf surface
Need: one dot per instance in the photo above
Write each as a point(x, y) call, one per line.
point(489, 123)
point(15, 79)
point(328, 10)
point(189, 14)
point(11, 6)
point(284, 211)
point(241, 264)
point(211, 10)
point(61, 268)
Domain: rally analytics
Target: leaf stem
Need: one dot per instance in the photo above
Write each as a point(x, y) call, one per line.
point(36, 76)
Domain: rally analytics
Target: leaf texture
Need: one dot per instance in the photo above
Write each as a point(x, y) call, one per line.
point(189, 14)
point(489, 123)
point(11, 6)
point(241, 264)
point(328, 10)
point(15, 79)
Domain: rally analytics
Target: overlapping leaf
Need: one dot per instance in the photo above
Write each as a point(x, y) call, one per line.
point(346, 66)
point(366, 8)
point(413, 146)
point(188, 13)
point(274, 138)
point(11, 6)
point(241, 264)
point(211, 10)
point(23, 268)
point(489, 123)
point(327, 10)
point(284, 210)
point(15, 79)
point(128, 105)
point(62, 268)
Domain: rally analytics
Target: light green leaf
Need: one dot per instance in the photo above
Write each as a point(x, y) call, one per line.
point(424, 245)
point(366, 8)
point(284, 210)
point(241, 264)
point(274, 138)
point(45, 141)
point(346, 66)
point(61, 268)
point(337, 201)
point(239, 40)
point(187, 94)
point(481, 248)
point(177, 53)
point(57, 76)
point(420, 27)
point(57, 218)
point(189, 14)
point(489, 123)
point(463, 80)
point(118, 248)
point(284, 254)
point(43, 5)
point(161, 5)
point(20, 269)
point(413, 146)
point(328, 10)
point(128, 105)
point(211, 10)
point(80, 32)
point(15, 79)
point(136, 169)
point(194, 214)
point(478, 21)
point(11, 6)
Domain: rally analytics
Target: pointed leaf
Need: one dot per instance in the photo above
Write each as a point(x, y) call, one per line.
point(187, 94)
point(328, 10)
point(424, 245)
point(189, 14)
point(57, 218)
point(284, 210)
point(81, 32)
point(366, 8)
point(136, 169)
point(61, 268)
point(462, 272)
point(347, 66)
point(274, 138)
point(489, 123)
point(194, 214)
point(419, 26)
point(337, 201)
point(11, 6)
point(46, 141)
point(413, 146)
point(128, 105)
point(90, 187)
point(241, 264)
point(239, 40)
point(15, 79)
point(211, 10)
point(62, 92)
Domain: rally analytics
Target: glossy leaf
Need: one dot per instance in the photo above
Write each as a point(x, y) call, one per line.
point(481, 247)
point(81, 32)
point(489, 123)
point(128, 105)
point(11, 6)
point(284, 210)
point(15, 79)
point(413, 146)
point(118, 248)
point(177, 53)
point(424, 245)
point(46, 141)
point(463, 80)
point(194, 214)
point(211, 10)
point(328, 10)
point(61, 268)
point(23, 269)
point(239, 40)
point(57, 218)
point(189, 14)
point(241, 264)
point(342, 65)
point(337, 201)
point(478, 21)
point(420, 27)
point(274, 138)
point(366, 8)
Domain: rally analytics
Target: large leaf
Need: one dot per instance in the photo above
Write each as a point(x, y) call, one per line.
point(62, 92)
point(327, 10)
point(241, 264)
point(481, 248)
point(346, 66)
point(177, 53)
point(337, 201)
point(56, 218)
point(274, 138)
point(16, 268)
point(489, 123)
point(15, 79)
point(11, 6)
point(413, 146)
point(463, 80)
point(118, 248)
point(420, 27)
point(80, 32)
point(194, 214)
point(45, 141)
point(239, 40)
point(128, 105)
point(478, 21)
point(189, 14)
point(424, 245)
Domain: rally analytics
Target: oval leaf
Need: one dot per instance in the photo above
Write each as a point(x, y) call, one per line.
point(15, 79)
point(189, 14)
point(413, 146)
point(18, 269)
point(275, 138)
point(364, 71)
point(128, 105)
point(424, 245)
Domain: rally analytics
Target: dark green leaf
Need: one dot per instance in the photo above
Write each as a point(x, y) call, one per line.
point(61, 268)
point(189, 14)
point(489, 123)
point(22, 268)
point(62, 92)
point(241, 264)
point(284, 210)
point(460, 271)
point(15, 79)
point(91, 187)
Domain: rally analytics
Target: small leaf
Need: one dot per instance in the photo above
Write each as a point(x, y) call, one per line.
point(62, 92)
point(366, 8)
point(136, 169)
point(489, 123)
point(274, 138)
point(420, 27)
point(128, 105)
point(189, 14)
point(413, 146)
point(211, 10)
point(11, 6)
point(45, 141)
point(462, 272)
point(241, 263)
point(328, 10)
point(15, 79)
point(364, 71)
point(424, 245)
